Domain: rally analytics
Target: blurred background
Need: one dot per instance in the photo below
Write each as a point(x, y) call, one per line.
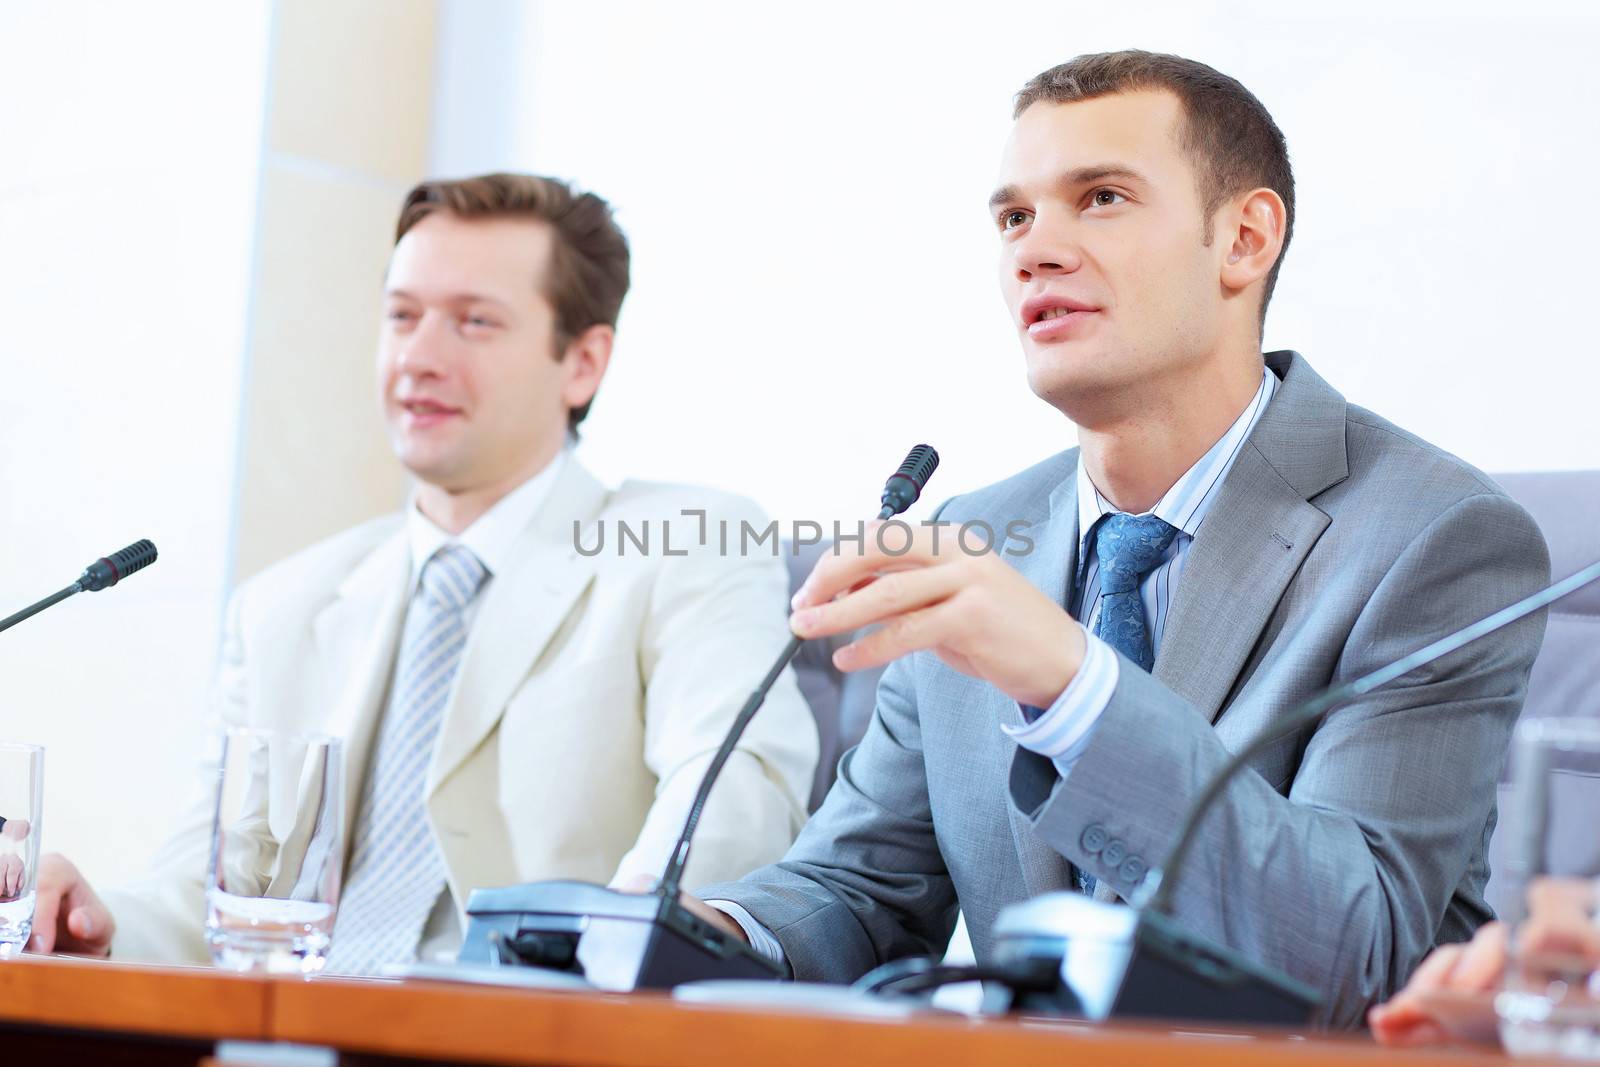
point(198, 201)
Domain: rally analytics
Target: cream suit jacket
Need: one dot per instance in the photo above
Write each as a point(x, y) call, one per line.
point(591, 693)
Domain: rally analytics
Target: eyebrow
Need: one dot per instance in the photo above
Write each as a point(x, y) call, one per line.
point(450, 298)
point(1094, 172)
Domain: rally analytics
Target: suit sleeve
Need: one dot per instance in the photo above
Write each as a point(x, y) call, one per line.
point(1342, 882)
point(715, 622)
point(865, 882)
point(161, 916)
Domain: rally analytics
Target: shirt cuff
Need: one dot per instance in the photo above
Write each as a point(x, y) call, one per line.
point(1062, 731)
point(761, 939)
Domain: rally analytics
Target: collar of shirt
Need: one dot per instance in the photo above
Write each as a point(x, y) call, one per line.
point(493, 537)
point(1186, 503)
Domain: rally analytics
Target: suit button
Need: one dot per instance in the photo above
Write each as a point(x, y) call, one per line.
point(1093, 839)
point(1132, 871)
point(1114, 851)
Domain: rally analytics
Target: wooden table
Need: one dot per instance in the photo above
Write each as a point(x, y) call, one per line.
point(59, 1011)
point(56, 1010)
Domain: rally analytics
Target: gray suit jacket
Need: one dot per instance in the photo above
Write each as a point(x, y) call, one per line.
point(1337, 543)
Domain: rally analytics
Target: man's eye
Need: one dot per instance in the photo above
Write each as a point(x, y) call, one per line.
point(479, 320)
point(1012, 219)
point(400, 315)
point(1106, 197)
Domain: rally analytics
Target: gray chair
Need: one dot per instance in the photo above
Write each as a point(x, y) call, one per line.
point(841, 702)
point(1566, 676)
point(1565, 682)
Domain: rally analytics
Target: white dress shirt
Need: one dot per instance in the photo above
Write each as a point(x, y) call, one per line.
point(492, 538)
point(1062, 731)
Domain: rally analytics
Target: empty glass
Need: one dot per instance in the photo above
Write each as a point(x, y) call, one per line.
point(21, 801)
point(1550, 1004)
point(276, 852)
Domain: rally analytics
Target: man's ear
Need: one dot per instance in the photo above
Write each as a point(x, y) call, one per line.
point(1251, 232)
point(586, 358)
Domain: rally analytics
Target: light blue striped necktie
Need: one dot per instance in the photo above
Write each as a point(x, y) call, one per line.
point(396, 871)
point(1128, 547)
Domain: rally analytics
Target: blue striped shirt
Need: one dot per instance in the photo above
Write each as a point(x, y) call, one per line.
point(1062, 732)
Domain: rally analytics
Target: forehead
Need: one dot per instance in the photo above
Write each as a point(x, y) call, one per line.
point(1138, 130)
point(444, 253)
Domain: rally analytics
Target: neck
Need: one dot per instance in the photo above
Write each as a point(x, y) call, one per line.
point(453, 510)
point(1134, 454)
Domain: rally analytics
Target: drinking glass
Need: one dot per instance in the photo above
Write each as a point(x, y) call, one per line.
point(1550, 1003)
point(21, 800)
point(276, 852)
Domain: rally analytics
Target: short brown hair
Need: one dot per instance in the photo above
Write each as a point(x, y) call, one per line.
point(1227, 132)
point(588, 274)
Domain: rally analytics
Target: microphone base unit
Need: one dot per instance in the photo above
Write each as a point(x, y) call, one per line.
point(1118, 963)
point(616, 941)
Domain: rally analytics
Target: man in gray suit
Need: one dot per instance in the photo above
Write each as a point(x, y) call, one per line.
point(1230, 538)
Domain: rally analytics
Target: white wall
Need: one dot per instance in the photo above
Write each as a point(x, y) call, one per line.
point(130, 138)
point(805, 187)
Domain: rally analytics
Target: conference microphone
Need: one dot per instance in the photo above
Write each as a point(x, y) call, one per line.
point(103, 573)
point(624, 941)
point(1161, 970)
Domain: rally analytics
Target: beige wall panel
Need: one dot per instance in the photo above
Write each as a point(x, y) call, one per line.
point(315, 458)
point(352, 84)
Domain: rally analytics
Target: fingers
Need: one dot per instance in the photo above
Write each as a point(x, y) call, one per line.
point(67, 914)
point(1561, 918)
point(88, 926)
point(901, 635)
point(11, 876)
point(1434, 973)
point(1561, 896)
point(1482, 965)
point(1402, 1021)
point(639, 883)
point(16, 829)
point(895, 545)
point(46, 906)
point(892, 594)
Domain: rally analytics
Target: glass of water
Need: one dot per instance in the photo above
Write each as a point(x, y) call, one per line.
point(21, 800)
point(277, 849)
point(1550, 1004)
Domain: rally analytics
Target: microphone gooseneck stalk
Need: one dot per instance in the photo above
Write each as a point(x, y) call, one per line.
point(900, 492)
point(101, 574)
point(1160, 889)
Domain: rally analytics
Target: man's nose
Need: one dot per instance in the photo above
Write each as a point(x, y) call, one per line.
point(1049, 247)
point(424, 350)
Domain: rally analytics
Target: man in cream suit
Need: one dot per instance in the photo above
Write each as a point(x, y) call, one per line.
point(1230, 538)
point(512, 708)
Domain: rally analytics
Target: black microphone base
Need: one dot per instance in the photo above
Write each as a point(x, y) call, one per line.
point(616, 941)
point(1120, 964)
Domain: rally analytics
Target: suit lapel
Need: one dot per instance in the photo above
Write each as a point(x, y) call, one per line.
point(354, 639)
point(1254, 539)
point(521, 611)
point(1049, 565)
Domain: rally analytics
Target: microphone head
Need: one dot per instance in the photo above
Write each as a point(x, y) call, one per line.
point(109, 570)
point(905, 485)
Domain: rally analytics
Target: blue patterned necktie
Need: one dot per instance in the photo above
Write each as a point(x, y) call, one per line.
point(396, 871)
point(1128, 547)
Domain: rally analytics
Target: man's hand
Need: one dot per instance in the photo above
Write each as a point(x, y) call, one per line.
point(974, 612)
point(1475, 967)
point(67, 915)
point(16, 829)
point(643, 883)
point(1560, 919)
